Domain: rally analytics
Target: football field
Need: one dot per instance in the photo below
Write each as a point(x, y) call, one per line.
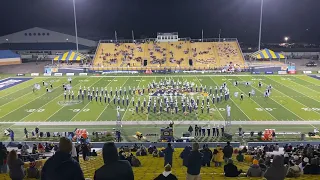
point(293, 98)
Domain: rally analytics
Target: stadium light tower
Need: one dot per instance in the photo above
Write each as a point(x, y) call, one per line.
point(261, 11)
point(75, 23)
point(286, 39)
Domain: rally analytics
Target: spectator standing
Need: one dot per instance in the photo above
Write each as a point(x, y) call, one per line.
point(227, 151)
point(230, 170)
point(15, 166)
point(61, 165)
point(166, 175)
point(3, 158)
point(168, 152)
point(184, 155)
point(74, 152)
point(196, 130)
point(218, 157)
point(207, 156)
point(85, 151)
point(254, 170)
point(194, 163)
point(190, 130)
point(113, 168)
point(277, 171)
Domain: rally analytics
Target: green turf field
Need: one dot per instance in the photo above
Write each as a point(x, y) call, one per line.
point(293, 98)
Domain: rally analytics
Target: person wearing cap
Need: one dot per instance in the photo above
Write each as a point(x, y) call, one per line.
point(254, 170)
point(113, 168)
point(277, 171)
point(61, 165)
point(166, 175)
point(194, 163)
point(231, 170)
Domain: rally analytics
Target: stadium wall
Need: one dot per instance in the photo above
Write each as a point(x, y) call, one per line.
point(9, 61)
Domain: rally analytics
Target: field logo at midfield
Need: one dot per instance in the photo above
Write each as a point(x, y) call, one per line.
point(69, 103)
point(7, 83)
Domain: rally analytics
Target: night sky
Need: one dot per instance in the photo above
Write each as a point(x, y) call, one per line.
point(98, 19)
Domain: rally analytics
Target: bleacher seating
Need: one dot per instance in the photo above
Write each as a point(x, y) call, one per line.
point(204, 55)
point(153, 166)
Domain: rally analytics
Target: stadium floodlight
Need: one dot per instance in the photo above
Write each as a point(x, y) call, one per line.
point(67, 39)
point(7, 40)
point(286, 38)
point(261, 11)
point(75, 23)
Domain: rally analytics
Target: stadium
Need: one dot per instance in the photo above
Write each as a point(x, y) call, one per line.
point(161, 99)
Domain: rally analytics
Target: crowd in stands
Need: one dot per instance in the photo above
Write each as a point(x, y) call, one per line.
point(265, 161)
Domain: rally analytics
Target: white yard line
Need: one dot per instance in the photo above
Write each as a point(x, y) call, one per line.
point(293, 99)
point(306, 86)
point(213, 104)
point(253, 101)
point(27, 103)
point(46, 104)
point(109, 103)
point(295, 90)
point(131, 100)
point(234, 103)
point(86, 123)
point(277, 102)
point(88, 101)
point(59, 108)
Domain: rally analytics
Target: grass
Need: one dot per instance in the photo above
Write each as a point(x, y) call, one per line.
point(293, 98)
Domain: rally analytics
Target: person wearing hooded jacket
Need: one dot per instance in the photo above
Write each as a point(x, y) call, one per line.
point(61, 165)
point(277, 171)
point(184, 155)
point(254, 170)
point(113, 168)
point(166, 175)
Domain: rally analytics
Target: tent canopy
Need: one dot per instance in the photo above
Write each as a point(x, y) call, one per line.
point(70, 56)
point(266, 54)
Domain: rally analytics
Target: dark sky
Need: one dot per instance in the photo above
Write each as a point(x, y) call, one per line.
point(98, 19)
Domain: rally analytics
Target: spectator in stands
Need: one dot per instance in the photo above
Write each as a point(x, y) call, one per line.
point(34, 149)
point(24, 149)
point(135, 162)
point(168, 153)
point(61, 165)
point(85, 151)
point(231, 170)
point(3, 158)
point(293, 170)
point(15, 166)
point(277, 171)
point(254, 170)
point(74, 152)
point(40, 148)
point(207, 156)
point(312, 168)
point(218, 156)
point(113, 168)
point(303, 164)
point(32, 171)
point(240, 157)
point(262, 165)
point(166, 175)
point(184, 155)
point(194, 163)
point(94, 153)
point(227, 151)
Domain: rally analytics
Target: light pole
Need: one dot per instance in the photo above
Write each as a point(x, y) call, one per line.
point(75, 23)
point(261, 11)
point(286, 39)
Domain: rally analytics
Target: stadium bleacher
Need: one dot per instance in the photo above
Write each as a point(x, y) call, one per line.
point(179, 54)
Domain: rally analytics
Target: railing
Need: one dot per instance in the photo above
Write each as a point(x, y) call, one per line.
point(180, 39)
